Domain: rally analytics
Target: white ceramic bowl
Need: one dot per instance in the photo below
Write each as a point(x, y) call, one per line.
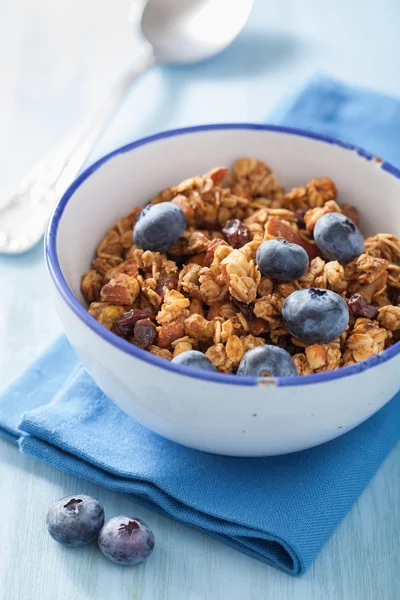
point(219, 413)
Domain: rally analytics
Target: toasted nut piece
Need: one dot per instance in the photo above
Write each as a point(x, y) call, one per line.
point(169, 332)
point(211, 251)
point(129, 267)
point(111, 244)
point(91, 285)
point(104, 263)
point(121, 290)
point(199, 328)
point(166, 282)
point(217, 174)
point(106, 314)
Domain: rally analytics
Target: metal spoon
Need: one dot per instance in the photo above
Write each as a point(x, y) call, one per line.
point(171, 31)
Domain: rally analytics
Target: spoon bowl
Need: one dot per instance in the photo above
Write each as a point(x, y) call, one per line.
point(188, 31)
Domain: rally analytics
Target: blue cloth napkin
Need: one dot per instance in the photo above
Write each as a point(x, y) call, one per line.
point(280, 510)
point(351, 114)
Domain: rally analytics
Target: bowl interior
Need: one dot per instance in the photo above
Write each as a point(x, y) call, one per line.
point(131, 177)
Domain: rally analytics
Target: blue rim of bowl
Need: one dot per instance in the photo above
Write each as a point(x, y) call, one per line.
point(81, 312)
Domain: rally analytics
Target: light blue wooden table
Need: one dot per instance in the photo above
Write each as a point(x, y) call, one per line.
point(56, 60)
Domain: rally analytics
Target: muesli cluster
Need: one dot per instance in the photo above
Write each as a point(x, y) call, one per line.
point(230, 272)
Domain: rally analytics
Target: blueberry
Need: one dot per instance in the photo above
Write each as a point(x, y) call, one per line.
point(159, 227)
point(267, 361)
point(75, 520)
point(282, 260)
point(126, 540)
point(194, 359)
point(315, 315)
point(338, 237)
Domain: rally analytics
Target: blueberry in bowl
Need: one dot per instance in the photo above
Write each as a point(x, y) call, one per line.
point(195, 360)
point(159, 227)
point(282, 260)
point(338, 237)
point(315, 315)
point(267, 361)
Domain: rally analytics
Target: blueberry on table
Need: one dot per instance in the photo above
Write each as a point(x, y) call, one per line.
point(282, 260)
point(338, 237)
point(126, 540)
point(194, 359)
point(267, 361)
point(159, 227)
point(315, 315)
point(75, 520)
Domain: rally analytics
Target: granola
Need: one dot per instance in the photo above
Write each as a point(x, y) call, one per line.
point(207, 293)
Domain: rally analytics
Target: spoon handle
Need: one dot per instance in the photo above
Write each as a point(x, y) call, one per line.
point(24, 216)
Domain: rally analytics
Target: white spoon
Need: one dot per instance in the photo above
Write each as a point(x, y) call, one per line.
point(171, 31)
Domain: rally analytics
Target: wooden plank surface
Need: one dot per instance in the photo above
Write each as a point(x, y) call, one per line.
point(57, 59)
